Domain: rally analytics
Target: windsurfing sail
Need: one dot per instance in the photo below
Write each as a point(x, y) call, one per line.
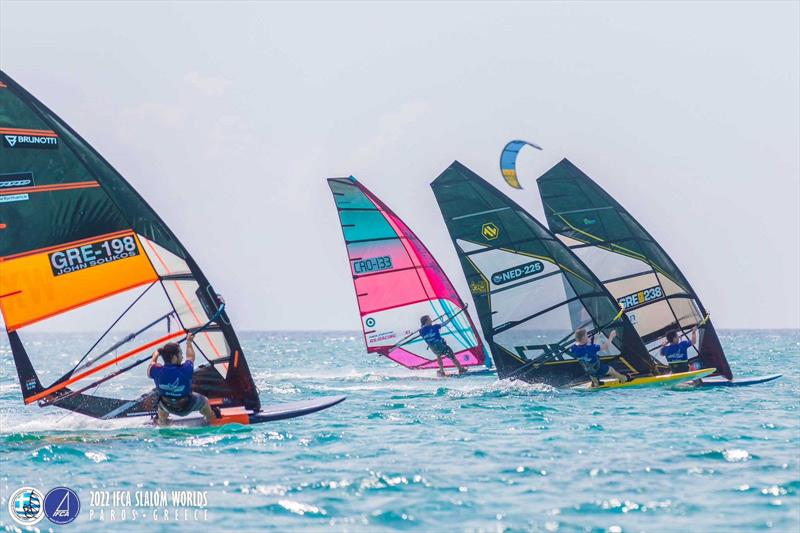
point(75, 237)
point(530, 291)
point(634, 268)
point(508, 161)
point(397, 281)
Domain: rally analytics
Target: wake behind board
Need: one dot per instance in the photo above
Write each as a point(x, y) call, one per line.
point(650, 381)
point(720, 381)
point(280, 411)
point(471, 374)
point(475, 373)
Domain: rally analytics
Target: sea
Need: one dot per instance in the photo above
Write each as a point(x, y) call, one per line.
point(411, 452)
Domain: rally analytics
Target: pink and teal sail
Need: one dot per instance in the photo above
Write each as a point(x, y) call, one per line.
point(397, 280)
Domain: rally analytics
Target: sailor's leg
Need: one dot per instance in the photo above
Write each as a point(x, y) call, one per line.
point(162, 415)
point(622, 378)
point(440, 372)
point(201, 402)
point(453, 358)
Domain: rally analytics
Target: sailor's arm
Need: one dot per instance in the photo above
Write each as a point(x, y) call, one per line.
point(153, 361)
point(606, 345)
point(694, 336)
point(190, 347)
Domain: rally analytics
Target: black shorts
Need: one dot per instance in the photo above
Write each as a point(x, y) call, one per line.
point(441, 348)
point(598, 370)
point(679, 366)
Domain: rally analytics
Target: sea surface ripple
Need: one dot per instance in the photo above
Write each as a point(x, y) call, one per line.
point(408, 451)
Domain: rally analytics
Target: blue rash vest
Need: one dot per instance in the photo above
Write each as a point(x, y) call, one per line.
point(431, 334)
point(173, 381)
point(587, 355)
point(676, 353)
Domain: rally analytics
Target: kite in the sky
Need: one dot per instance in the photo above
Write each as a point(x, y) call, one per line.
point(508, 161)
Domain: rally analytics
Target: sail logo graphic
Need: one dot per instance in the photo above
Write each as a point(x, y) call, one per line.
point(515, 273)
point(62, 505)
point(25, 506)
point(31, 141)
point(641, 297)
point(479, 287)
point(92, 254)
point(490, 231)
point(15, 180)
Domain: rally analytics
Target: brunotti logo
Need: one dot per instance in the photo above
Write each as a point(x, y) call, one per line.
point(50, 140)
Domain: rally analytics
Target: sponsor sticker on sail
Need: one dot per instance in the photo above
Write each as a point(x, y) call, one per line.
point(10, 182)
point(13, 138)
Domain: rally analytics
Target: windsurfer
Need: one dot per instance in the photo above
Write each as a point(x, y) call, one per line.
point(586, 353)
point(173, 382)
point(676, 353)
point(433, 337)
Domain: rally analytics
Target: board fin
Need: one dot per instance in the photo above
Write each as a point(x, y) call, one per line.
point(28, 380)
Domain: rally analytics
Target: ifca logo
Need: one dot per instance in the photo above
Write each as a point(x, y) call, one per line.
point(62, 505)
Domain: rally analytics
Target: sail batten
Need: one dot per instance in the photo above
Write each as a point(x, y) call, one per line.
point(396, 281)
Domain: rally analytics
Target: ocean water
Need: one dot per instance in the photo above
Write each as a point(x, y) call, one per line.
point(411, 452)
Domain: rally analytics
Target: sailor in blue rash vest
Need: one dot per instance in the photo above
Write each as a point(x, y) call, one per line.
point(173, 382)
point(586, 353)
point(430, 333)
point(676, 353)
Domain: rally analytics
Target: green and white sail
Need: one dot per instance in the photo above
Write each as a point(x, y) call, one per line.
point(632, 265)
point(531, 292)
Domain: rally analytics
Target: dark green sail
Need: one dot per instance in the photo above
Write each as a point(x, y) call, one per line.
point(632, 265)
point(530, 291)
point(73, 233)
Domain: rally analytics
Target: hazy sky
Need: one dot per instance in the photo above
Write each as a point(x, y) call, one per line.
point(228, 118)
